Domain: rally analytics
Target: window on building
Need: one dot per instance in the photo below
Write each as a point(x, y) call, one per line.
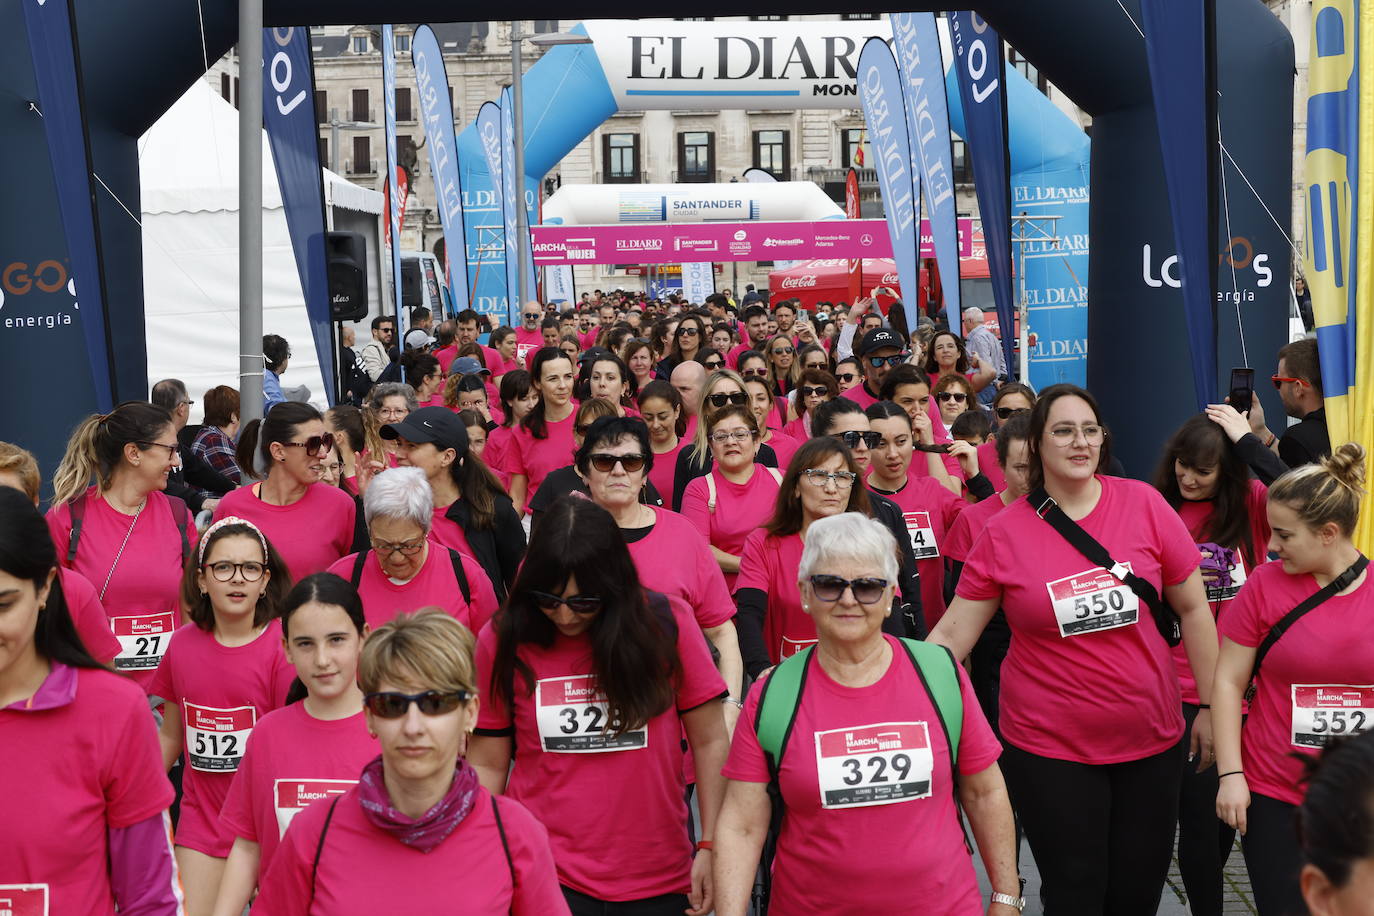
point(696, 156)
point(361, 44)
point(362, 156)
point(854, 17)
point(360, 106)
point(1028, 70)
point(321, 106)
point(403, 112)
point(402, 43)
point(963, 169)
point(767, 18)
point(324, 152)
point(545, 26)
point(225, 92)
point(620, 152)
point(772, 153)
point(852, 141)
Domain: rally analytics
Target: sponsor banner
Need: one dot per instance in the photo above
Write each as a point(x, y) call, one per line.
point(508, 207)
point(698, 281)
point(436, 108)
point(558, 283)
point(490, 136)
point(650, 207)
point(288, 115)
point(393, 186)
point(758, 241)
point(852, 210)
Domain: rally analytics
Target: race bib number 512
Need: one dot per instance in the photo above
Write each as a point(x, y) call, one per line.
point(572, 718)
point(878, 764)
point(215, 738)
point(1324, 711)
point(1090, 601)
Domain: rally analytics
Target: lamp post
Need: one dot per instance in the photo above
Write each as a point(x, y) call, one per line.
point(334, 125)
point(522, 227)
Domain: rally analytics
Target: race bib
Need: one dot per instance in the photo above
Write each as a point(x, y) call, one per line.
point(791, 646)
point(523, 350)
point(874, 764)
point(215, 738)
point(23, 900)
point(292, 796)
point(1324, 711)
point(1092, 600)
point(572, 718)
point(142, 639)
point(1228, 570)
point(923, 544)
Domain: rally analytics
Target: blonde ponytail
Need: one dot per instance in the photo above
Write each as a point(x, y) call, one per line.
point(1326, 492)
point(79, 464)
point(96, 448)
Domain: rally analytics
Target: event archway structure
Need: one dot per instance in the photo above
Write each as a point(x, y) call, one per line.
point(137, 57)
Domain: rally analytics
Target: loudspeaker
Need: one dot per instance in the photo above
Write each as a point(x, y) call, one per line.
point(412, 284)
point(346, 253)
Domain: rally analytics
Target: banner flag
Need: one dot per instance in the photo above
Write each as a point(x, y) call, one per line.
point(52, 44)
point(880, 91)
point(981, 66)
point(436, 108)
point(759, 176)
point(510, 204)
point(1177, 38)
point(559, 283)
point(489, 135)
point(917, 44)
point(852, 210)
point(288, 115)
point(393, 186)
point(698, 281)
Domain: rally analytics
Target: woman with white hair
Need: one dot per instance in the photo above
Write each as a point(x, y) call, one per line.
point(404, 571)
point(866, 740)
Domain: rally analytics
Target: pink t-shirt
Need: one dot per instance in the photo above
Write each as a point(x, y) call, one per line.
point(739, 510)
point(675, 559)
point(784, 446)
point(446, 356)
point(987, 464)
point(859, 395)
point(310, 534)
point(89, 618)
point(500, 447)
point(929, 509)
point(222, 693)
point(536, 458)
point(842, 853)
point(799, 429)
point(86, 767)
point(526, 343)
point(1088, 677)
point(143, 595)
point(434, 585)
point(1316, 682)
point(292, 760)
point(448, 533)
point(661, 475)
point(770, 565)
point(587, 340)
point(363, 871)
point(625, 844)
point(968, 527)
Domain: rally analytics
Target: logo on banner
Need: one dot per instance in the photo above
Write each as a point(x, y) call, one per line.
point(697, 245)
point(1239, 255)
point(639, 244)
point(807, 281)
point(281, 73)
point(780, 243)
point(19, 278)
point(866, 240)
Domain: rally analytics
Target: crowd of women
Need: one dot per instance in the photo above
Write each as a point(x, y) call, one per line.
point(681, 613)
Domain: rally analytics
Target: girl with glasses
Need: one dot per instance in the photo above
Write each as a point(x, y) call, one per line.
point(817, 386)
point(223, 671)
point(722, 388)
point(313, 522)
point(848, 373)
point(947, 355)
point(660, 406)
point(784, 369)
point(590, 680)
point(1114, 741)
point(418, 814)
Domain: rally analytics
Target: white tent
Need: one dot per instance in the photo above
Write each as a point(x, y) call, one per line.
point(188, 166)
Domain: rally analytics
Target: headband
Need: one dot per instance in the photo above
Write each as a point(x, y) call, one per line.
point(230, 520)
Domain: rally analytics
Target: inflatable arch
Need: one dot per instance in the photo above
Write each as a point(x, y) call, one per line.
point(138, 56)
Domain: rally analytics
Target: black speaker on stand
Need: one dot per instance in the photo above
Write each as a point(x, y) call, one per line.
point(346, 253)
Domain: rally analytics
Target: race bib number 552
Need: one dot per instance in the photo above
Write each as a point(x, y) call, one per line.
point(1092, 600)
point(572, 718)
point(1324, 711)
point(878, 764)
point(215, 738)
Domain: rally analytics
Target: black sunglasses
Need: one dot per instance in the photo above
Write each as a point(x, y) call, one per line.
point(877, 362)
point(689, 331)
point(831, 588)
point(808, 390)
point(715, 364)
point(314, 444)
point(606, 463)
point(1004, 413)
point(578, 604)
point(846, 377)
point(852, 438)
point(783, 351)
point(754, 373)
point(951, 396)
point(431, 703)
point(739, 399)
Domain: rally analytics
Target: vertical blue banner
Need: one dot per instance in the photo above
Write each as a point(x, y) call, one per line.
point(436, 108)
point(392, 186)
point(288, 114)
point(52, 43)
point(490, 134)
point(880, 91)
point(917, 45)
point(508, 206)
point(980, 66)
point(1176, 38)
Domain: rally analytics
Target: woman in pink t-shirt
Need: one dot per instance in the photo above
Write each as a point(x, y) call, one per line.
point(639, 359)
point(817, 386)
point(947, 355)
point(869, 775)
point(83, 800)
point(1314, 683)
point(313, 748)
point(660, 406)
point(543, 439)
point(607, 377)
point(503, 342)
point(417, 833)
point(223, 671)
point(313, 522)
point(589, 682)
point(909, 388)
point(518, 398)
point(1090, 715)
point(126, 536)
point(771, 414)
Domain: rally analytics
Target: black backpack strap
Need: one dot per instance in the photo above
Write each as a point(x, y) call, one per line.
point(78, 512)
point(181, 515)
point(456, 559)
point(357, 575)
point(1338, 584)
point(319, 848)
point(505, 845)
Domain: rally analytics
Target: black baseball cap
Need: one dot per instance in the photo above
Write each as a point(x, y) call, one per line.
point(430, 424)
point(878, 338)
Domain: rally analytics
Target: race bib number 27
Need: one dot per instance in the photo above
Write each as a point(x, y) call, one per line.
point(142, 639)
point(1324, 711)
point(878, 764)
point(1091, 601)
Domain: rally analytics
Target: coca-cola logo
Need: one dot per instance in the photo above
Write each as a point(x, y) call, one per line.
point(890, 279)
point(805, 282)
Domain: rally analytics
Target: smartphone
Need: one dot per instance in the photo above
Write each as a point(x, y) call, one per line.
point(1242, 395)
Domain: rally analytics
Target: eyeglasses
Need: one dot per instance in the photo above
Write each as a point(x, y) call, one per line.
point(723, 436)
point(578, 604)
point(738, 398)
point(847, 377)
point(171, 449)
point(1278, 380)
point(386, 330)
point(393, 413)
point(1065, 436)
point(820, 477)
point(404, 548)
point(333, 466)
point(431, 703)
point(784, 351)
point(689, 331)
point(754, 373)
point(956, 396)
point(852, 438)
point(1004, 413)
point(866, 589)
point(606, 463)
point(224, 571)
point(810, 390)
point(715, 364)
point(314, 445)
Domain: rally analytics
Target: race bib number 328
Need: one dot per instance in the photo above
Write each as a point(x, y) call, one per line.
point(878, 764)
point(1324, 711)
point(1091, 601)
point(572, 718)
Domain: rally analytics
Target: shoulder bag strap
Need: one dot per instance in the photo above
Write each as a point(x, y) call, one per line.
point(180, 515)
point(1338, 584)
point(778, 706)
point(78, 514)
point(710, 492)
point(319, 848)
point(505, 844)
point(461, 575)
point(357, 575)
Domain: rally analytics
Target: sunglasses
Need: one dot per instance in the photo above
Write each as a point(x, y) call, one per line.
point(431, 703)
point(852, 438)
point(715, 364)
point(810, 390)
point(877, 362)
point(957, 396)
point(1278, 381)
point(847, 377)
point(606, 463)
point(866, 590)
point(739, 399)
point(754, 373)
point(1004, 413)
point(315, 444)
point(578, 604)
point(784, 351)
point(688, 332)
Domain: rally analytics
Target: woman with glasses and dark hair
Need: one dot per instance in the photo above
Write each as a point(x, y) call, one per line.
point(84, 797)
point(784, 369)
point(947, 355)
point(712, 359)
point(813, 356)
point(689, 339)
point(404, 569)
point(1012, 399)
point(817, 386)
point(418, 813)
point(723, 388)
point(1090, 699)
point(591, 680)
point(566, 479)
point(753, 364)
point(313, 522)
point(848, 373)
point(953, 395)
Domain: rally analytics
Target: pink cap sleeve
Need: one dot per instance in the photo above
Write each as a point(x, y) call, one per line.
point(493, 713)
point(746, 762)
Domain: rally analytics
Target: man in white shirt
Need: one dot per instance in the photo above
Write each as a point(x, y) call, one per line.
point(980, 339)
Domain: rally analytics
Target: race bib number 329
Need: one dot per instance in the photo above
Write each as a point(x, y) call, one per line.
point(1324, 711)
point(878, 764)
point(572, 718)
point(1091, 601)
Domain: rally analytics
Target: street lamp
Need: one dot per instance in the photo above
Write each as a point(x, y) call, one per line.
point(522, 228)
point(334, 125)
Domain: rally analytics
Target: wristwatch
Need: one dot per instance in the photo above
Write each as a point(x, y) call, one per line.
point(1009, 900)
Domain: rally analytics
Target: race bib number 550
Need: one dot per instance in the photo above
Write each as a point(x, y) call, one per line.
point(1090, 601)
point(1323, 711)
point(215, 738)
point(572, 718)
point(878, 764)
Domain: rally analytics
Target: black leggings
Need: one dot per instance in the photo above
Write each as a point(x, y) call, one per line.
point(1102, 835)
point(665, 905)
point(1204, 840)
point(1272, 856)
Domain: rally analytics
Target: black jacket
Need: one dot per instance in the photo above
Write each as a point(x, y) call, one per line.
point(1306, 443)
point(195, 475)
point(500, 548)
